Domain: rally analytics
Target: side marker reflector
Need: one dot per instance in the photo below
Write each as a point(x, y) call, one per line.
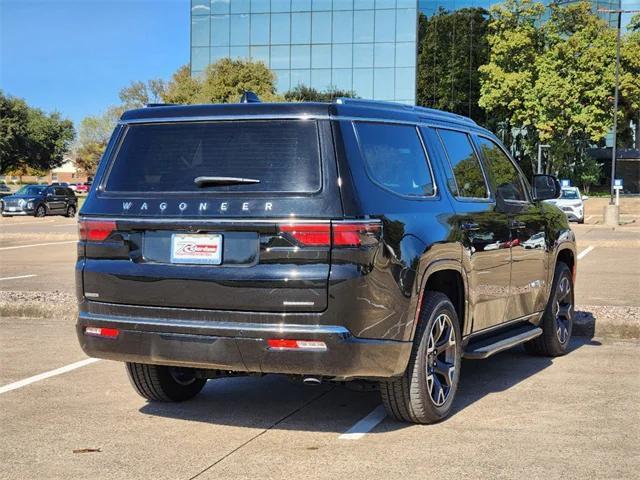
point(286, 344)
point(101, 332)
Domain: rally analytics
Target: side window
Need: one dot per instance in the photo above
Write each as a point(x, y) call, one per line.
point(505, 178)
point(465, 165)
point(395, 158)
point(60, 192)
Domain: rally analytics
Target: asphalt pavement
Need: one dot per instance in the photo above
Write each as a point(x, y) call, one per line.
point(65, 416)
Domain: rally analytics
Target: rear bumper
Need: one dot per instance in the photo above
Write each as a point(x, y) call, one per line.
point(242, 347)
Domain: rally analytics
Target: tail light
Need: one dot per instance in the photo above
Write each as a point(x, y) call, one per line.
point(95, 230)
point(339, 234)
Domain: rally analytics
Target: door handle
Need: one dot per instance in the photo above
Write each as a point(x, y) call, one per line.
point(470, 227)
point(518, 225)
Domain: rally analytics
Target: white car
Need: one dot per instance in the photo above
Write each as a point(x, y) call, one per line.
point(571, 203)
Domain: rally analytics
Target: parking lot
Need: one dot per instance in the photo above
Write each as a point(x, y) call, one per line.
point(65, 416)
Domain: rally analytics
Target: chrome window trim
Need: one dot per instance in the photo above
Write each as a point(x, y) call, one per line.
point(237, 220)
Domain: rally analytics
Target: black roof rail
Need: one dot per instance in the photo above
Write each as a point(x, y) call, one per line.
point(400, 107)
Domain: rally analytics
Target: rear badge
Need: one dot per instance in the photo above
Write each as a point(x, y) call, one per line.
point(196, 249)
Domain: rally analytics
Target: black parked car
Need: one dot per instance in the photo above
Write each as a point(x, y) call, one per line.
point(40, 200)
point(330, 242)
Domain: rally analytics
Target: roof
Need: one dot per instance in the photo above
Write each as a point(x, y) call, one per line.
point(341, 107)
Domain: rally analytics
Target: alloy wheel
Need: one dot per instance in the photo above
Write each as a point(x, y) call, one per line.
point(563, 309)
point(441, 359)
point(41, 212)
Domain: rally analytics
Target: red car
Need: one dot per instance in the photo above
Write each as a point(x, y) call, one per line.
point(83, 187)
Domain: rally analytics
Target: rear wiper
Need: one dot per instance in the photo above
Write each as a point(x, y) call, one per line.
point(213, 181)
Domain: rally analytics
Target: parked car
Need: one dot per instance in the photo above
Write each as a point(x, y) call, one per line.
point(83, 187)
point(41, 200)
point(354, 240)
point(571, 203)
point(73, 186)
point(4, 191)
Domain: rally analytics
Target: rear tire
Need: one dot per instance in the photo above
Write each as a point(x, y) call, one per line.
point(426, 391)
point(160, 383)
point(557, 319)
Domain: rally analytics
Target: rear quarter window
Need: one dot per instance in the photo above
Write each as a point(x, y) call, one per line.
point(395, 158)
point(166, 157)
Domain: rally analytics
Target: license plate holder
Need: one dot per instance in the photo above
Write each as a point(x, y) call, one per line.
point(196, 249)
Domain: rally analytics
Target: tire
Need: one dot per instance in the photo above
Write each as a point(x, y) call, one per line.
point(160, 383)
point(41, 211)
point(424, 394)
point(581, 221)
point(557, 319)
point(71, 211)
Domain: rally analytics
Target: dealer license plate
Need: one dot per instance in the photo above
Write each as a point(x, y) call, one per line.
point(197, 249)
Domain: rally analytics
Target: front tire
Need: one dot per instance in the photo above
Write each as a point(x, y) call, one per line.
point(426, 391)
point(161, 383)
point(71, 211)
point(557, 319)
point(41, 211)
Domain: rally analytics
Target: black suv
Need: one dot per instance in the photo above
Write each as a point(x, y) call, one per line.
point(356, 240)
point(41, 200)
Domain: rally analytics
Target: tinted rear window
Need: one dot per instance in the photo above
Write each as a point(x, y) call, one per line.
point(283, 155)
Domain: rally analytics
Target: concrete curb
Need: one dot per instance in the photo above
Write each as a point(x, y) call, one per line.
point(607, 321)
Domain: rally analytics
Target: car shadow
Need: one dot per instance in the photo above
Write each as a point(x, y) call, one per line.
point(274, 402)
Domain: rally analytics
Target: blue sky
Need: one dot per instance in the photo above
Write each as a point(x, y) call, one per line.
point(73, 56)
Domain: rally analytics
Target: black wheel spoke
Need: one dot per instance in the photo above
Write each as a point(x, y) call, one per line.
point(446, 371)
point(441, 359)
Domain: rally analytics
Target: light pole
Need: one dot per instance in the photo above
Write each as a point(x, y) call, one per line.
point(611, 212)
point(540, 147)
point(616, 94)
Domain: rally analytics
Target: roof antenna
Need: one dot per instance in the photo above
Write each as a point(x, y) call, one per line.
point(249, 97)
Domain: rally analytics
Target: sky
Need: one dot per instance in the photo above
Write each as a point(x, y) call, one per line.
point(74, 56)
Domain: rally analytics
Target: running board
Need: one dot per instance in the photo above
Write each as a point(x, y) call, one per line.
point(490, 346)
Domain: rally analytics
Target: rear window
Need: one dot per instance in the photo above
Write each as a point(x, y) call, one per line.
point(168, 157)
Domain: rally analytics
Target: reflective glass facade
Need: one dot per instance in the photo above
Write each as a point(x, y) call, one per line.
point(429, 7)
point(367, 46)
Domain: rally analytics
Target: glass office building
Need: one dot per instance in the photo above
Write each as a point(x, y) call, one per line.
point(366, 46)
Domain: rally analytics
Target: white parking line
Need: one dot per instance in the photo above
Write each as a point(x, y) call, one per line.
point(365, 425)
point(16, 278)
point(45, 375)
point(585, 252)
point(37, 245)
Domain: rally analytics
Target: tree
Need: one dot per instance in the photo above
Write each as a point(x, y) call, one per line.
point(222, 82)
point(630, 85)
point(226, 80)
point(93, 136)
point(302, 93)
point(182, 88)
point(551, 80)
point(451, 47)
point(139, 94)
point(30, 138)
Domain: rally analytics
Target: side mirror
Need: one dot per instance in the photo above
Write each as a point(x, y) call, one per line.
point(585, 197)
point(545, 187)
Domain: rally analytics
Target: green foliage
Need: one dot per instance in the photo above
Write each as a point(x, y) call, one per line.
point(139, 94)
point(553, 80)
point(182, 88)
point(31, 139)
point(634, 24)
point(93, 136)
point(222, 82)
point(302, 93)
point(630, 86)
point(451, 47)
